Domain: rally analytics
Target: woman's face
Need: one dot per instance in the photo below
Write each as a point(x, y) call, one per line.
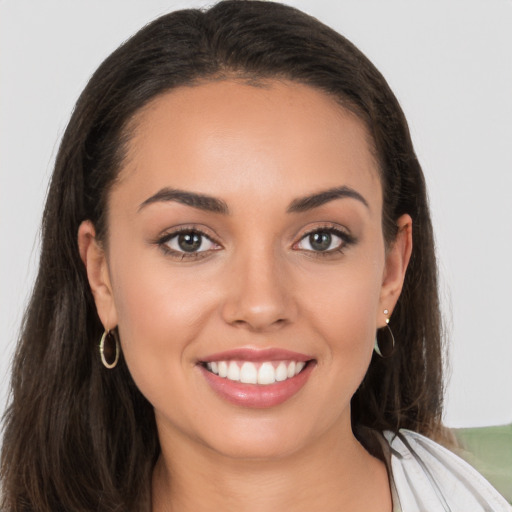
point(245, 244)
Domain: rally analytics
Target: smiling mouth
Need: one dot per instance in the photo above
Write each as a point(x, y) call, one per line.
point(263, 373)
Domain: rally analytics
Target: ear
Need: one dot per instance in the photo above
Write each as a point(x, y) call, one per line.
point(397, 259)
point(95, 261)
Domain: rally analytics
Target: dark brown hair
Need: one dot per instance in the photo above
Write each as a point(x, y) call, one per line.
point(79, 437)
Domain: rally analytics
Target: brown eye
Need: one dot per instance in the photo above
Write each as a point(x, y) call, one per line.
point(323, 240)
point(320, 241)
point(190, 242)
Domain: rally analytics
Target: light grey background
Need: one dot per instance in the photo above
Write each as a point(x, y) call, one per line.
point(449, 63)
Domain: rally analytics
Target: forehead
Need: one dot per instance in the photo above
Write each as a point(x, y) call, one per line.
point(227, 136)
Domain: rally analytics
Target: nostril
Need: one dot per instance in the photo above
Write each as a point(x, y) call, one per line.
point(257, 324)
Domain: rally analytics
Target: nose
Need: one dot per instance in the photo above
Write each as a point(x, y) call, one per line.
point(259, 293)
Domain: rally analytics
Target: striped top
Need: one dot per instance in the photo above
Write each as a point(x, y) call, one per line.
point(426, 477)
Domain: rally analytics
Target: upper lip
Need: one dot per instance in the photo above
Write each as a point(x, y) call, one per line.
point(256, 355)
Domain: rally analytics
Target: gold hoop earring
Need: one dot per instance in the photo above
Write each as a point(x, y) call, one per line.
point(109, 349)
point(385, 344)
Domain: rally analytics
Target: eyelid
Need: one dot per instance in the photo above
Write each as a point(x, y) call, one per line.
point(347, 238)
point(163, 239)
point(181, 228)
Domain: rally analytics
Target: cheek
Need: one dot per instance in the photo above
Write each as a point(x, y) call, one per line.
point(342, 308)
point(349, 326)
point(350, 317)
point(160, 313)
point(154, 299)
point(346, 299)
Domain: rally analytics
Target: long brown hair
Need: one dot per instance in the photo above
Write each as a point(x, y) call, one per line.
point(78, 437)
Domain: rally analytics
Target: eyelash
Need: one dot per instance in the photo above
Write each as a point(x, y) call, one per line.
point(163, 242)
point(346, 241)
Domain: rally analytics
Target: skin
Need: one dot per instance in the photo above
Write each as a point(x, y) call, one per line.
point(258, 284)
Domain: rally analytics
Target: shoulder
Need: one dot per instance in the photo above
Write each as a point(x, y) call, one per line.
point(427, 476)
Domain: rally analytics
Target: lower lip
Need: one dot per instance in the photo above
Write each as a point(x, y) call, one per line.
point(257, 396)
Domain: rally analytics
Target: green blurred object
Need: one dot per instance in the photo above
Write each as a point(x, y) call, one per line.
point(489, 450)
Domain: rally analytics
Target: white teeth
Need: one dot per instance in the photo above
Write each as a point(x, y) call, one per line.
point(281, 372)
point(298, 367)
point(250, 373)
point(233, 371)
point(266, 374)
point(223, 369)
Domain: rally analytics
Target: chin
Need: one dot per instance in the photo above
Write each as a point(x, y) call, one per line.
point(274, 436)
point(257, 447)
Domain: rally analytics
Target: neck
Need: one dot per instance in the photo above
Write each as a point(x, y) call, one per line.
point(336, 473)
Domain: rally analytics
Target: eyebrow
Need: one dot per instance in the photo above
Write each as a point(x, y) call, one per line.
point(306, 203)
point(215, 205)
point(199, 201)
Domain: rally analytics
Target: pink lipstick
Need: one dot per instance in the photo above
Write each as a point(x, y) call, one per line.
point(256, 378)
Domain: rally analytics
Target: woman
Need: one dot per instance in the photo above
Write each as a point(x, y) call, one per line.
point(236, 210)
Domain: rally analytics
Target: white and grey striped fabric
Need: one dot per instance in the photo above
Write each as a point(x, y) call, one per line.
point(426, 477)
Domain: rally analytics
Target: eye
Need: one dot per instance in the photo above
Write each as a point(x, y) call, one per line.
point(324, 240)
point(188, 243)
